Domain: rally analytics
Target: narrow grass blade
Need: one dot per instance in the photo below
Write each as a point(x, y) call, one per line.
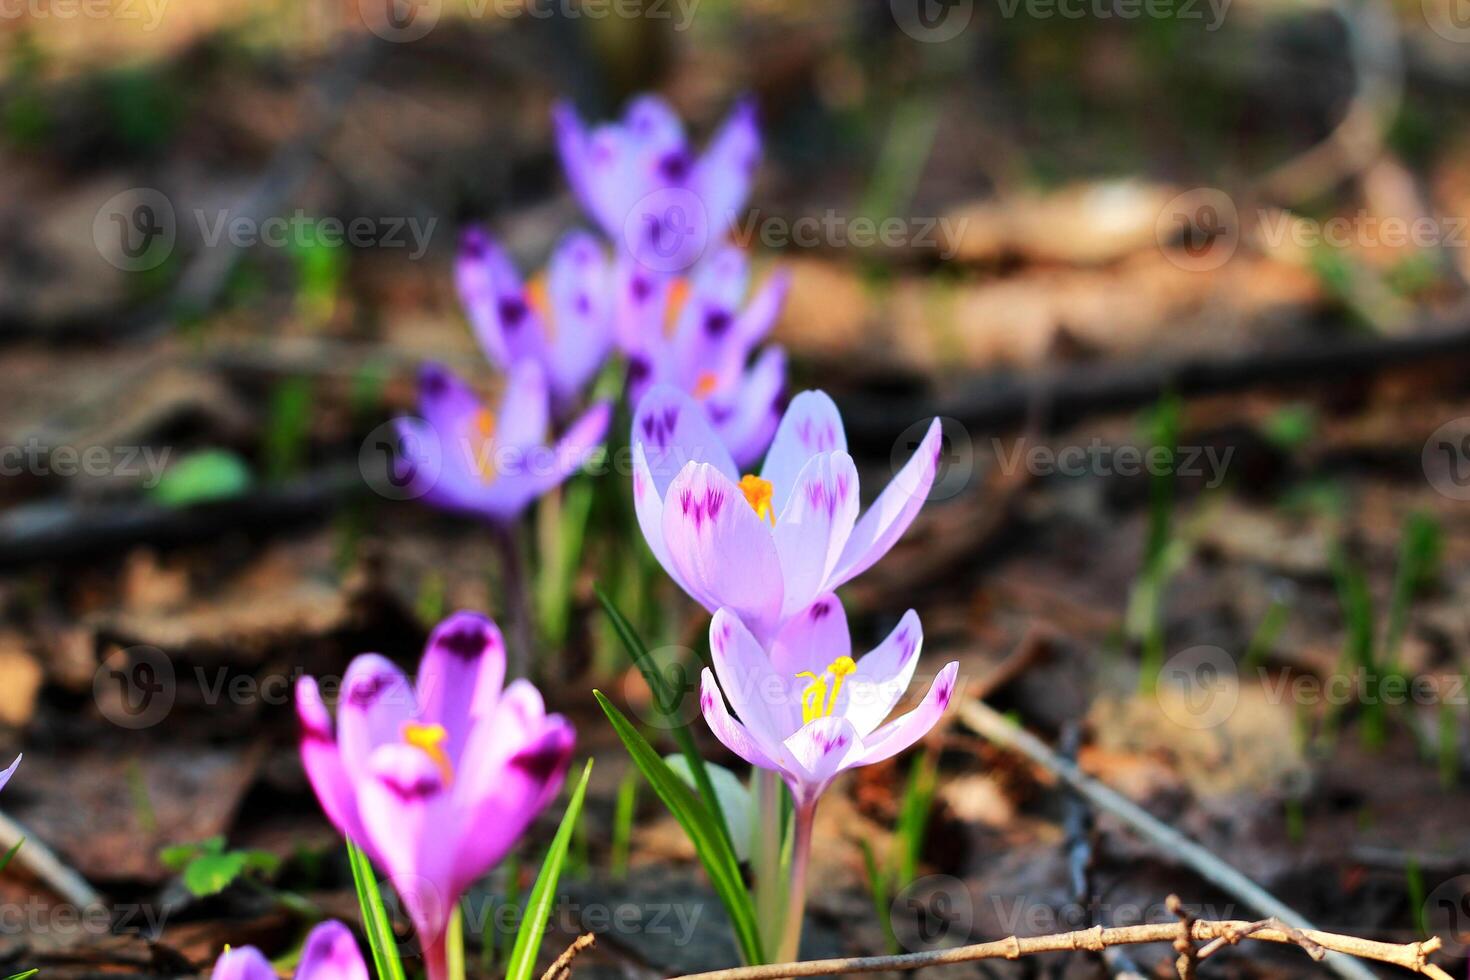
point(374, 916)
point(5, 861)
point(666, 699)
point(699, 822)
point(538, 904)
point(24, 976)
point(878, 889)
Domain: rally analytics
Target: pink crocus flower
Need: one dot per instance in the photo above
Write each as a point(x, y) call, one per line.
point(462, 456)
point(764, 547)
point(615, 166)
point(435, 781)
point(714, 330)
point(330, 953)
point(563, 320)
point(809, 711)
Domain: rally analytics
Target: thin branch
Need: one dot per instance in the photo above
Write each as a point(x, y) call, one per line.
point(989, 723)
point(1411, 956)
point(1184, 942)
point(561, 967)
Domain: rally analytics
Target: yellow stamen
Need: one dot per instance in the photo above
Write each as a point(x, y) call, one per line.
point(678, 296)
point(705, 386)
point(758, 493)
point(538, 298)
point(482, 434)
point(430, 739)
point(819, 699)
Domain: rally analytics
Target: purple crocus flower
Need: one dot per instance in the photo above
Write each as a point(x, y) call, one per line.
point(434, 781)
point(646, 159)
point(564, 320)
point(764, 547)
point(462, 456)
point(714, 333)
point(808, 710)
point(330, 953)
point(9, 771)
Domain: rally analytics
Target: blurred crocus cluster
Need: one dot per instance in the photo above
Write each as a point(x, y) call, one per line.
point(660, 287)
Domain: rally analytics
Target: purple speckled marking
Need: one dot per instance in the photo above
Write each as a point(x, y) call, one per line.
point(820, 610)
point(467, 643)
point(698, 508)
point(675, 166)
point(513, 311)
point(472, 244)
point(368, 690)
point(421, 788)
point(583, 304)
point(436, 382)
point(641, 289)
point(906, 644)
point(717, 322)
point(541, 762)
point(658, 426)
point(316, 733)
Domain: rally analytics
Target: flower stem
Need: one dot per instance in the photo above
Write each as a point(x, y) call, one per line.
point(770, 886)
point(517, 608)
point(454, 944)
point(803, 818)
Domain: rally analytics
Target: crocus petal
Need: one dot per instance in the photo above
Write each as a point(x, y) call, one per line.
point(640, 299)
point(723, 175)
point(751, 684)
point(673, 431)
point(494, 300)
point(525, 408)
point(724, 553)
point(882, 676)
point(657, 135)
point(706, 328)
point(733, 735)
point(814, 525)
point(322, 761)
point(764, 308)
point(821, 750)
point(573, 451)
point(812, 639)
point(331, 953)
point(648, 505)
point(376, 702)
point(907, 729)
point(450, 408)
point(579, 287)
point(750, 418)
point(9, 771)
point(893, 511)
point(575, 147)
point(405, 810)
point(811, 425)
point(244, 963)
point(461, 675)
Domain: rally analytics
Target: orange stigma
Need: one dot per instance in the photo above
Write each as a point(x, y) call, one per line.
point(430, 739)
point(758, 493)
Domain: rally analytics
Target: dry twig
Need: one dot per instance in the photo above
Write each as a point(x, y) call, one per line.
point(561, 968)
point(1411, 956)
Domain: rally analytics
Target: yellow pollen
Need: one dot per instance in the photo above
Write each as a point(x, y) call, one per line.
point(430, 739)
point(538, 298)
point(482, 434)
point(678, 296)
point(819, 699)
point(758, 493)
point(705, 386)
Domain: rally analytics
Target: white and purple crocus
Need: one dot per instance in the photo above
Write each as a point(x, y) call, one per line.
point(764, 547)
point(715, 330)
point(463, 456)
point(563, 320)
point(434, 780)
point(808, 710)
point(9, 771)
point(330, 953)
point(639, 178)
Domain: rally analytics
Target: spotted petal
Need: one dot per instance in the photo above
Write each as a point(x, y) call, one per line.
point(894, 510)
point(815, 523)
point(882, 676)
point(811, 425)
point(907, 729)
